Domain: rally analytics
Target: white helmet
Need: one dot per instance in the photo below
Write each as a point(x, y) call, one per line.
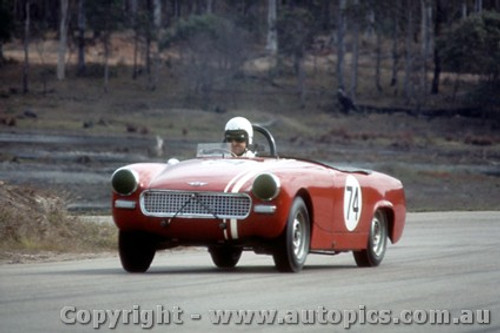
point(239, 127)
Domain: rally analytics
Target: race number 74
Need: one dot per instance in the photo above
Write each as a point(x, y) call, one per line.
point(353, 202)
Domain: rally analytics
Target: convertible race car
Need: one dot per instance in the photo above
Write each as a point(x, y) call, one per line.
point(284, 207)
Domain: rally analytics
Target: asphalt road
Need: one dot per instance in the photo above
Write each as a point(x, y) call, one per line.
point(443, 276)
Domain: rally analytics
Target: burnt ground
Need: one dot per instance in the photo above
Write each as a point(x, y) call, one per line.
point(454, 164)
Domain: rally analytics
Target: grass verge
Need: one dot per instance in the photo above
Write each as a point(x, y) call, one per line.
point(35, 222)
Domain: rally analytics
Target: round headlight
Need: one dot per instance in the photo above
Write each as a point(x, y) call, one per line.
point(124, 181)
point(266, 186)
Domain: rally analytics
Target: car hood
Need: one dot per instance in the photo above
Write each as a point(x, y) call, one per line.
point(229, 175)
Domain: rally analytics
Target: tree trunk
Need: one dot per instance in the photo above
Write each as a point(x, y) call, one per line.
point(378, 61)
point(134, 25)
point(106, 60)
point(438, 20)
point(478, 6)
point(340, 43)
point(82, 68)
point(370, 30)
point(272, 32)
point(2, 58)
point(156, 54)
point(148, 38)
point(408, 91)
point(355, 52)
point(26, 66)
point(177, 9)
point(326, 17)
point(395, 43)
point(63, 41)
point(426, 11)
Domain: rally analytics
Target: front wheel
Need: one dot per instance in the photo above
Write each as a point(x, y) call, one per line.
point(137, 250)
point(293, 245)
point(377, 243)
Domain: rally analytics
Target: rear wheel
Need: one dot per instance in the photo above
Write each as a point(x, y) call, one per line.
point(377, 243)
point(225, 256)
point(293, 246)
point(137, 250)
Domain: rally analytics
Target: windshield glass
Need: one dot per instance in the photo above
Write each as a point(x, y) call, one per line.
point(221, 149)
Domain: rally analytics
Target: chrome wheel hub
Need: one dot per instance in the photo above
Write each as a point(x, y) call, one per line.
point(378, 236)
point(298, 234)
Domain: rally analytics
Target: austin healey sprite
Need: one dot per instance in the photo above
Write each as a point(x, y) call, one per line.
point(284, 207)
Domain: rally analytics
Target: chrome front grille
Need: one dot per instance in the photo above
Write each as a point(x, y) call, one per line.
point(195, 204)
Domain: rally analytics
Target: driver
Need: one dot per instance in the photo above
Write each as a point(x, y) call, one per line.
point(239, 133)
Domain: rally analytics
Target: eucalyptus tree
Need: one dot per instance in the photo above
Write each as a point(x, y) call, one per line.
point(214, 48)
point(63, 40)
point(6, 27)
point(473, 46)
point(340, 42)
point(408, 87)
point(105, 17)
point(439, 20)
point(295, 36)
point(272, 33)
point(356, 14)
point(82, 25)
point(27, 32)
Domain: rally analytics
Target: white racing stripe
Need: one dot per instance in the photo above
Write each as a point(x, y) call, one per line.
point(235, 178)
point(243, 178)
point(226, 236)
point(237, 187)
point(233, 223)
point(240, 179)
point(234, 229)
point(237, 183)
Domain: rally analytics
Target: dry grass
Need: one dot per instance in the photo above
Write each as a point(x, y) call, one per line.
point(34, 220)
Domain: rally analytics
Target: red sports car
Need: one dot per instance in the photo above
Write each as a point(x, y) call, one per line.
point(284, 207)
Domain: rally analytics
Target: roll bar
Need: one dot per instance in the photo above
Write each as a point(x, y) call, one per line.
point(270, 139)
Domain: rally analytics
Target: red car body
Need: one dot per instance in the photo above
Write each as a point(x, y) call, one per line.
point(190, 203)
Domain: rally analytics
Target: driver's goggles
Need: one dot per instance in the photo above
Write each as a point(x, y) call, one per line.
point(238, 138)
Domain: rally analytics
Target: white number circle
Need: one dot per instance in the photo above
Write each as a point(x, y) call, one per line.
point(353, 202)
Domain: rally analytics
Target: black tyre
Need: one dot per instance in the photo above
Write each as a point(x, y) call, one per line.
point(293, 246)
point(225, 256)
point(377, 243)
point(137, 250)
